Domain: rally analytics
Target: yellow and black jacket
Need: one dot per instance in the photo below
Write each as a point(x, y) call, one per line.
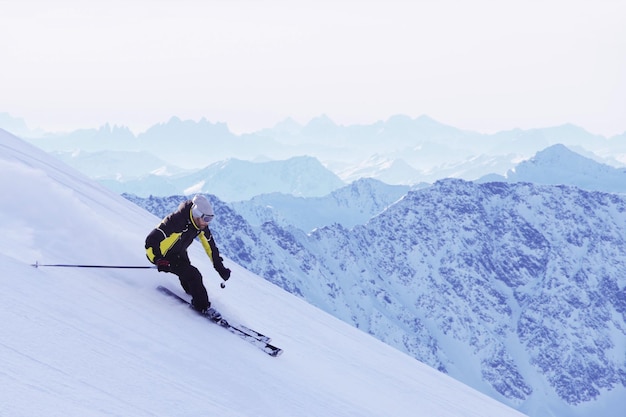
point(171, 238)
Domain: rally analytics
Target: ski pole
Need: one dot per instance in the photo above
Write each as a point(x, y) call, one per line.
point(37, 265)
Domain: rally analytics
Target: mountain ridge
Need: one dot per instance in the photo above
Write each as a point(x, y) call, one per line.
point(235, 179)
point(558, 164)
point(424, 144)
point(306, 176)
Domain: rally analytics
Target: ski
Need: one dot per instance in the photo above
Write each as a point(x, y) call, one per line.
point(255, 338)
point(259, 336)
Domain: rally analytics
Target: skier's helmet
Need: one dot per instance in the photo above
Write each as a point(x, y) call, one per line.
point(202, 208)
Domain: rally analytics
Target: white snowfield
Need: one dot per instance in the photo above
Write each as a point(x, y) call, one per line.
point(104, 342)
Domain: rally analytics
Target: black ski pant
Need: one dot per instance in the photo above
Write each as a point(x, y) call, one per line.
point(191, 281)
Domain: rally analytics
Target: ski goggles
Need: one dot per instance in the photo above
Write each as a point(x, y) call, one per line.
point(207, 217)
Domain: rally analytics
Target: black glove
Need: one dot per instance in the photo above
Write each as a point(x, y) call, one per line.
point(224, 273)
point(163, 265)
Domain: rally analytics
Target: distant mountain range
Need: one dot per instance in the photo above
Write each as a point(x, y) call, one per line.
point(400, 150)
point(236, 180)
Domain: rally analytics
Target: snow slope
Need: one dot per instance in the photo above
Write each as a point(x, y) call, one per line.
point(103, 342)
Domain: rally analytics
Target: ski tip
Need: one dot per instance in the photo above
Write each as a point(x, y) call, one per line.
point(276, 353)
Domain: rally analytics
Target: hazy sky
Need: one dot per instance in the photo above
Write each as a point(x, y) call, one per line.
point(484, 65)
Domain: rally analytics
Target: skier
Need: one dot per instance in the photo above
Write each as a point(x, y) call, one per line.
point(166, 247)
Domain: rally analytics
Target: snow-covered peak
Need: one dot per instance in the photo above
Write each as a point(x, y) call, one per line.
point(557, 164)
point(350, 205)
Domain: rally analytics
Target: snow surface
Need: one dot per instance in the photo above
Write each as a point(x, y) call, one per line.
point(103, 342)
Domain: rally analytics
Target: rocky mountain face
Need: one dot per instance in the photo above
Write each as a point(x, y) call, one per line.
point(518, 290)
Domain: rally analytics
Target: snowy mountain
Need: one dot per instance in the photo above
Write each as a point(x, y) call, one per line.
point(183, 143)
point(400, 150)
point(106, 137)
point(559, 165)
point(17, 126)
point(385, 169)
point(234, 180)
point(350, 205)
point(102, 342)
point(515, 289)
point(116, 165)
